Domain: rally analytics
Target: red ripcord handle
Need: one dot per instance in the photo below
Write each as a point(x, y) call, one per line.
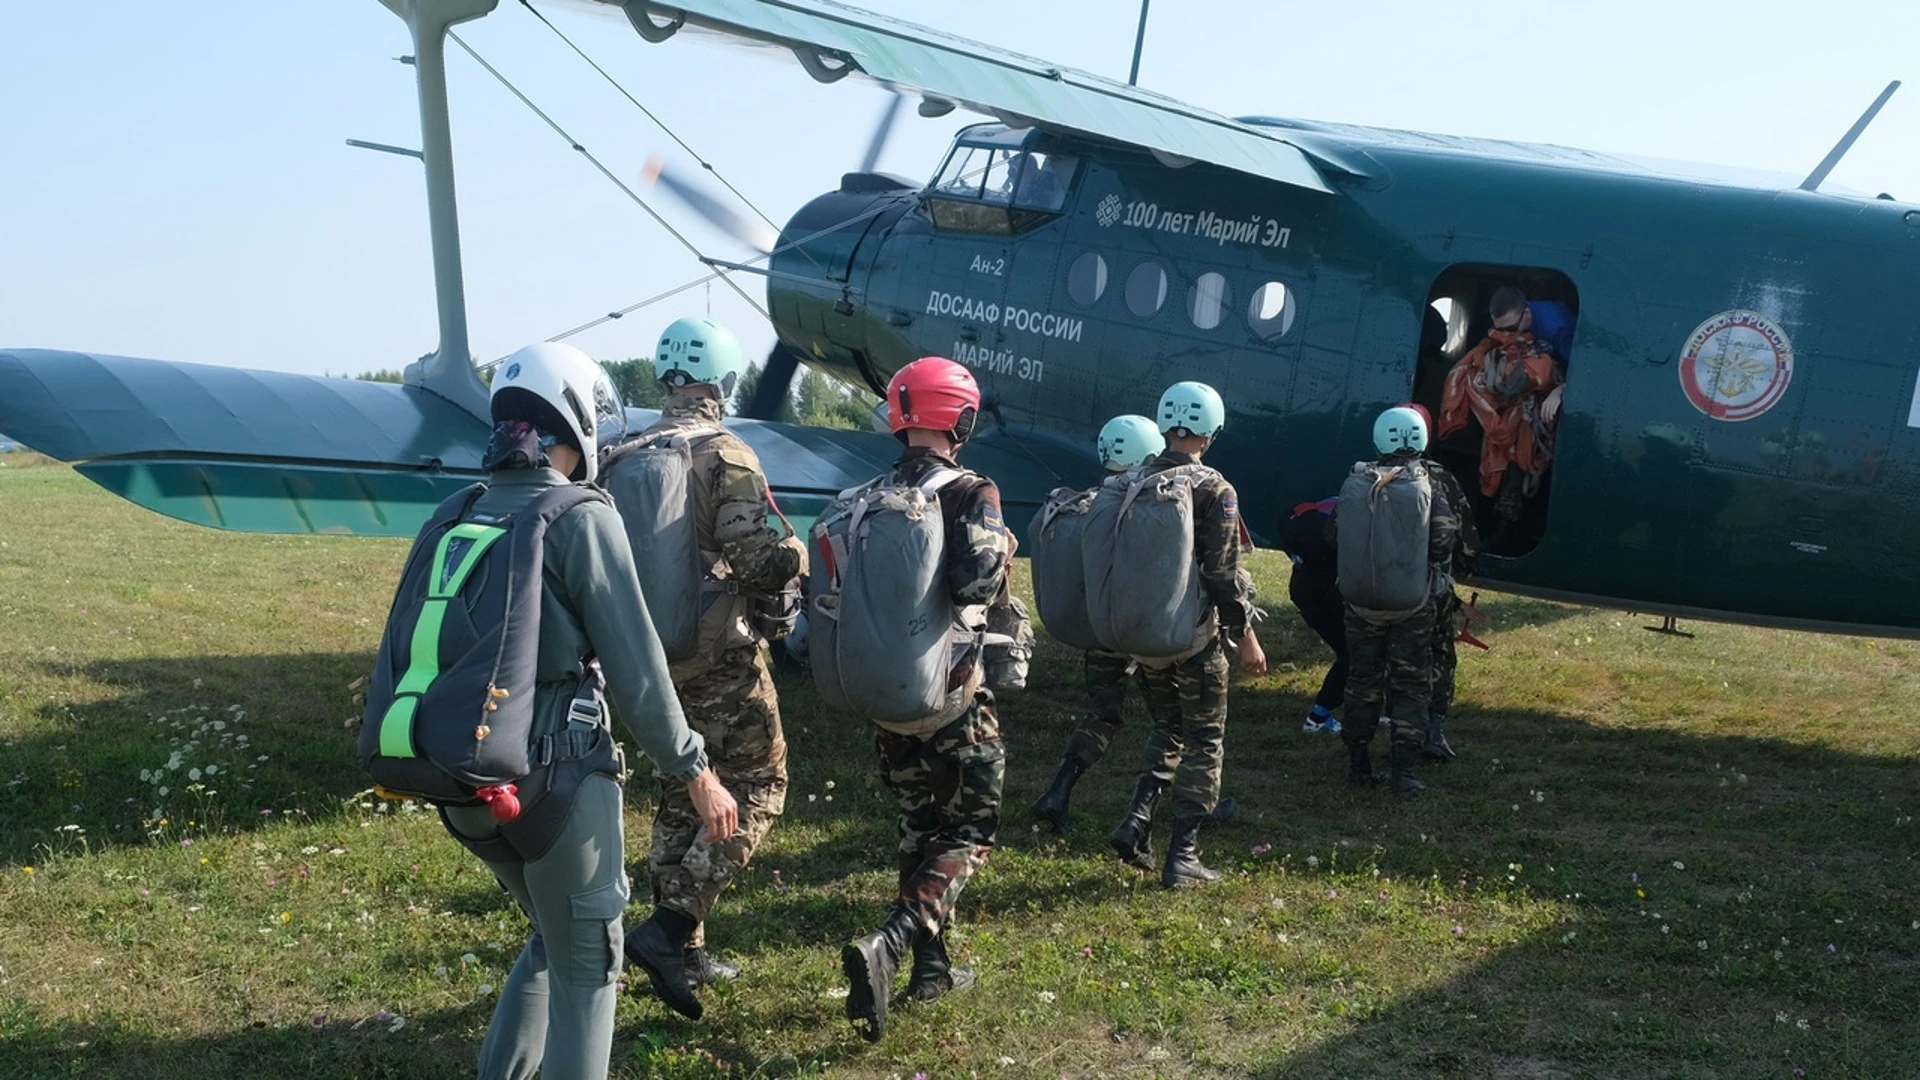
point(501, 801)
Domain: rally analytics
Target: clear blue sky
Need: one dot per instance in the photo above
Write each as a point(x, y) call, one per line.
point(174, 182)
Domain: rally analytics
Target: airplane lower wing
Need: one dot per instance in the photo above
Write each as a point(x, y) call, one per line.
point(264, 451)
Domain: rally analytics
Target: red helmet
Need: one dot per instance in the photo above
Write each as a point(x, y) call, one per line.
point(1425, 416)
point(934, 394)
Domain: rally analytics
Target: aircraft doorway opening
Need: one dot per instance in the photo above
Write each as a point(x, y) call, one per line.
point(1491, 370)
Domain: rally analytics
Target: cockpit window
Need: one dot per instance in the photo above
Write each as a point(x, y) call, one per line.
point(963, 173)
point(1006, 189)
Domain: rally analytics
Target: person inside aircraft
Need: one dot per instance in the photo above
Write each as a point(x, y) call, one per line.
point(1036, 183)
point(1510, 383)
point(1549, 321)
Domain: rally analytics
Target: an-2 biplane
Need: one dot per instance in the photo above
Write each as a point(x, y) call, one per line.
point(1736, 441)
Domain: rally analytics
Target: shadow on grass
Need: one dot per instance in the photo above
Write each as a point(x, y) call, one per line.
point(431, 1046)
point(271, 727)
point(1708, 884)
point(1784, 847)
point(442, 1045)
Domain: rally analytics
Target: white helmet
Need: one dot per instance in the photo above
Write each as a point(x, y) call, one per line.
point(564, 392)
point(1194, 407)
point(1127, 441)
point(1400, 429)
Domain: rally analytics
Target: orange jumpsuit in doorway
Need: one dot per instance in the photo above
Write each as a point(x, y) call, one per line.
point(1503, 383)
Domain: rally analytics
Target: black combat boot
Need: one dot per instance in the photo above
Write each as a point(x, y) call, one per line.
point(869, 964)
point(1400, 754)
point(1052, 807)
point(704, 968)
point(659, 945)
point(934, 975)
point(1436, 748)
point(1223, 810)
point(1359, 764)
point(1183, 869)
point(1133, 840)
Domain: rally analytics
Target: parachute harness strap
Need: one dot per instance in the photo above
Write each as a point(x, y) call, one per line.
point(423, 654)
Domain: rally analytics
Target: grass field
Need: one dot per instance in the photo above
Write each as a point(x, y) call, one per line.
point(1656, 857)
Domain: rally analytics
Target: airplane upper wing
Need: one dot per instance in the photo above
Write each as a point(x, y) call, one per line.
point(831, 40)
point(268, 451)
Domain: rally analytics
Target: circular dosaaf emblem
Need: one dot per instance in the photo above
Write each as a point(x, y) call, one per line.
point(1736, 365)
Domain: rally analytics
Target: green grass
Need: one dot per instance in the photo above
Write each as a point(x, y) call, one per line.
point(1656, 857)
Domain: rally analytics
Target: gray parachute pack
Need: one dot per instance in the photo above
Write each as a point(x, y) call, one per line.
point(651, 484)
point(1383, 519)
point(1144, 595)
point(884, 630)
point(1055, 540)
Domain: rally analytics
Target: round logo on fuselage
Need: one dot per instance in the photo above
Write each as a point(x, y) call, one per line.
point(1736, 365)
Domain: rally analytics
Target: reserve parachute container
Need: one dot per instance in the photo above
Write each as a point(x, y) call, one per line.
point(1144, 595)
point(1383, 518)
point(1055, 540)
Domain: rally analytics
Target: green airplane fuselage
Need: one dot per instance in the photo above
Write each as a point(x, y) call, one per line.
point(1761, 467)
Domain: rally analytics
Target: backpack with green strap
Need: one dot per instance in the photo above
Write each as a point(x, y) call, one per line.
point(450, 709)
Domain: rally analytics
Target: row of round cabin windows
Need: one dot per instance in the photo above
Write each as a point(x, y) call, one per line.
point(1269, 310)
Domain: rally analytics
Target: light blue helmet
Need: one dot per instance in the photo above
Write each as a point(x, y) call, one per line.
point(1128, 440)
point(1194, 407)
point(1400, 430)
point(704, 351)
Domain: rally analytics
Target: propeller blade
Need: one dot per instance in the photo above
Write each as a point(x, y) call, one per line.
point(755, 234)
point(881, 132)
point(776, 380)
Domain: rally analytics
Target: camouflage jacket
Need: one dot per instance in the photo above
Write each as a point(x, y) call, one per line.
point(731, 502)
point(1466, 551)
point(1217, 541)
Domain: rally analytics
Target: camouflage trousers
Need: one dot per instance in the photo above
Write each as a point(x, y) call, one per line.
point(735, 709)
point(1448, 618)
point(1107, 675)
point(1188, 742)
point(1392, 669)
point(948, 785)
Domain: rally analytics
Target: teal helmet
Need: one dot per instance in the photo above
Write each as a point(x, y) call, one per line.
point(1193, 407)
point(1127, 441)
point(703, 351)
point(1400, 430)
